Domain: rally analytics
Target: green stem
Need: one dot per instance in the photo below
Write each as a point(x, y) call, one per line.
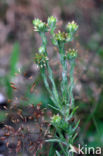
point(55, 93)
point(71, 86)
point(63, 150)
point(47, 86)
point(50, 73)
point(64, 82)
point(54, 42)
point(62, 147)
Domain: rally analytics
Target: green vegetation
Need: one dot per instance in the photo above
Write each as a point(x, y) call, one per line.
point(62, 97)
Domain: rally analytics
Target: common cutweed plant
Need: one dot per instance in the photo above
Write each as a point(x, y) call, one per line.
point(62, 98)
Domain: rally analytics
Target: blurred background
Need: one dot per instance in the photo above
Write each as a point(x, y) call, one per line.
point(18, 45)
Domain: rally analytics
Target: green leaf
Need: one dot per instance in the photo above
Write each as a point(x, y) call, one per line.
point(56, 140)
point(14, 59)
point(76, 126)
point(52, 150)
point(9, 90)
point(53, 107)
point(73, 112)
point(2, 116)
point(57, 153)
point(75, 135)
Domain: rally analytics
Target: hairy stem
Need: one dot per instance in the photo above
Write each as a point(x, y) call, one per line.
point(64, 82)
point(50, 73)
point(71, 86)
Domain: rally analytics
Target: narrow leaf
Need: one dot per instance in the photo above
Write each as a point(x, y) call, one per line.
point(57, 153)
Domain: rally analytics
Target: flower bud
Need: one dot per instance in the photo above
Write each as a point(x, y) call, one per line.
point(52, 22)
point(60, 36)
point(72, 27)
point(71, 54)
point(56, 119)
point(41, 60)
point(39, 25)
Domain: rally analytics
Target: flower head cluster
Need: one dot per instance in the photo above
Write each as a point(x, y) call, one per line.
point(72, 27)
point(71, 54)
point(39, 25)
point(61, 36)
point(41, 60)
point(52, 22)
point(56, 119)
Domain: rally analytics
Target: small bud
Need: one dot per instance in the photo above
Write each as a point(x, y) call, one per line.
point(60, 36)
point(72, 27)
point(52, 22)
point(39, 25)
point(41, 60)
point(56, 119)
point(71, 54)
